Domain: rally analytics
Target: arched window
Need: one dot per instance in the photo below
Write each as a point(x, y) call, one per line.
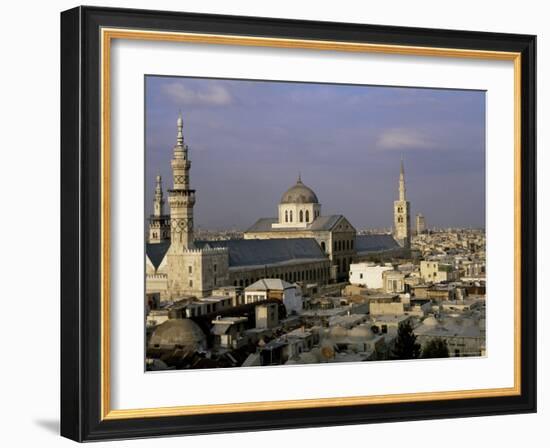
point(323, 246)
point(400, 219)
point(307, 215)
point(301, 216)
point(290, 215)
point(286, 215)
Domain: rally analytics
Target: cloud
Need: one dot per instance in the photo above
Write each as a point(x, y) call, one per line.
point(209, 95)
point(403, 139)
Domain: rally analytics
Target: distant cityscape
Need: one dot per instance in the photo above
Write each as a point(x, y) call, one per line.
point(303, 287)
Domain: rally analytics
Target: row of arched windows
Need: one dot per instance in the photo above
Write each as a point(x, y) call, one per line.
point(320, 273)
point(302, 216)
point(342, 245)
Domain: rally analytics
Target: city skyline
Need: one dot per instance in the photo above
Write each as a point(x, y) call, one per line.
point(249, 141)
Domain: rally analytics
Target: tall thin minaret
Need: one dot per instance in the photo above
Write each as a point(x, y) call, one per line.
point(181, 197)
point(158, 205)
point(159, 223)
point(401, 213)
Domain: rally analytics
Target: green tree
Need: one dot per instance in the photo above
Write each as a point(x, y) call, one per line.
point(405, 346)
point(436, 348)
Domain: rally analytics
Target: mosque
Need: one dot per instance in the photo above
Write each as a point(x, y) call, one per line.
point(299, 245)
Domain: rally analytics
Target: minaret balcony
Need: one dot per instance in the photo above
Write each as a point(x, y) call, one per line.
point(182, 197)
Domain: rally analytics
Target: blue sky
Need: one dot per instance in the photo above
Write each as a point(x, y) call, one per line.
point(249, 140)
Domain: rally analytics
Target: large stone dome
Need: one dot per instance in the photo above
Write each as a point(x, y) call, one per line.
point(178, 333)
point(299, 193)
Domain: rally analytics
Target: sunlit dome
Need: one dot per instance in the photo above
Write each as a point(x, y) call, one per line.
point(178, 333)
point(338, 331)
point(430, 321)
point(361, 333)
point(299, 193)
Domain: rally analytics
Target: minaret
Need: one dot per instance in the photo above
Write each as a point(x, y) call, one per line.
point(181, 197)
point(159, 223)
point(401, 213)
point(159, 198)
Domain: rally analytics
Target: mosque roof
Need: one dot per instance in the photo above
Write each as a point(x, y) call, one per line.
point(375, 243)
point(299, 193)
point(266, 284)
point(156, 252)
point(256, 252)
point(320, 223)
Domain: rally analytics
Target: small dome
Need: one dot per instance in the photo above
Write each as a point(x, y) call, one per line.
point(299, 193)
point(338, 331)
point(182, 333)
point(361, 333)
point(308, 358)
point(430, 321)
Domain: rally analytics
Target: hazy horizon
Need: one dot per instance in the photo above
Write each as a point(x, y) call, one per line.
point(248, 140)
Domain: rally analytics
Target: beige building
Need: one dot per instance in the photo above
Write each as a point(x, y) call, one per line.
point(300, 217)
point(420, 224)
point(436, 272)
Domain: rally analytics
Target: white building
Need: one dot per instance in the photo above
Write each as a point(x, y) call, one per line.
point(367, 274)
point(275, 288)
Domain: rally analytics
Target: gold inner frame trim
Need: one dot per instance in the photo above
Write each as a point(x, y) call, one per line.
point(107, 35)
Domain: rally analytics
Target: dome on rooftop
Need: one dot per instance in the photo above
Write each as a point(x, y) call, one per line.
point(430, 321)
point(338, 332)
point(361, 333)
point(299, 193)
point(178, 333)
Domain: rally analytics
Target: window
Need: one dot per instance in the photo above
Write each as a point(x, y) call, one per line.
point(290, 215)
point(190, 283)
point(190, 269)
point(215, 267)
point(301, 216)
point(307, 215)
point(323, 246)
point(286, 215)
point(361, 276)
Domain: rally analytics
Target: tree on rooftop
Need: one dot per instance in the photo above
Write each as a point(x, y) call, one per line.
point(436, 348)
point(405, 346)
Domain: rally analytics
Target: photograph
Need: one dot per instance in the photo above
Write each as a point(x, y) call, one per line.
point(292, 223)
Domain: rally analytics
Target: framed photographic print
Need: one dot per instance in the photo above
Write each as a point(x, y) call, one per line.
point(273, 223)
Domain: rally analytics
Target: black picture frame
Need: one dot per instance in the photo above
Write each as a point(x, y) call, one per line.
point(81, 224)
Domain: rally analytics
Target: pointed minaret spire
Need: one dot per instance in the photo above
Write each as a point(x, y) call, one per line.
point(401, 212)
point(179, 141)
point(299, 181)
point(181, 196)
point(159, 198)
point(402, 189)
point(159, 223)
